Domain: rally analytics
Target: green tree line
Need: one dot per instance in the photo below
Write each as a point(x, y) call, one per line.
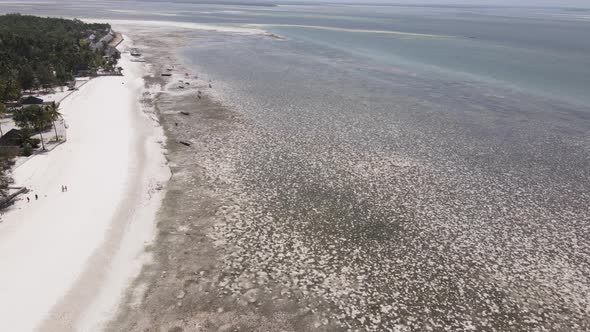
point(41, 52)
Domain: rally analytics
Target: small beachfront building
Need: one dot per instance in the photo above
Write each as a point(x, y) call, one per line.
point(12, 138)
point(30, 101)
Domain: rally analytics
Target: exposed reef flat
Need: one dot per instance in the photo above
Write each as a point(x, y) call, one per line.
point(327, 220)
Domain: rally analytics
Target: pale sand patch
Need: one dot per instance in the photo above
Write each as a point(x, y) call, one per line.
point(160, 25)
point(66, 258)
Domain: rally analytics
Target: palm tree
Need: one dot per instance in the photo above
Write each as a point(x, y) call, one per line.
point(33, 117)
point(40, 121)
point(53, 114)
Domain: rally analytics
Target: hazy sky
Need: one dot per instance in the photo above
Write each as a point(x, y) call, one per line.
point(549, 3)
point(518, 3)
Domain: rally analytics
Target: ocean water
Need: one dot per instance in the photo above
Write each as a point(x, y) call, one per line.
point(433, 156)
point(542, 51)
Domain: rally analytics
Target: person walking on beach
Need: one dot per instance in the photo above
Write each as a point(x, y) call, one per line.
point(66, 188)
point(28, 199)
point(36, 197)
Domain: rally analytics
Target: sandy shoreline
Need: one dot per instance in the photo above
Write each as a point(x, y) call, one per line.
point(67, 257)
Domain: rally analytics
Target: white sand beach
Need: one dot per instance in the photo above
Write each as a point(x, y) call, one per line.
point(67, 257)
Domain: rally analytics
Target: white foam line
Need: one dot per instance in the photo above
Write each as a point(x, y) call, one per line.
point(385, 32)
point(182, 25)
point(141, 12)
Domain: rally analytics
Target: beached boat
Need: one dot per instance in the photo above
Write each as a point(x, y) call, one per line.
point(135, 52)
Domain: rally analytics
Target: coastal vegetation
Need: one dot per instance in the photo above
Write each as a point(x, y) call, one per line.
point(53, 114)
point(6, 162)
point(41, 52)
point(33, 119)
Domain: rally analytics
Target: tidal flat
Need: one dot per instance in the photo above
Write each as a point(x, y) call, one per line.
point(433, 205)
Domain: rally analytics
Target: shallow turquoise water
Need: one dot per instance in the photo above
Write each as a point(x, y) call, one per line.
point(541, 51)
point(548, 72)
